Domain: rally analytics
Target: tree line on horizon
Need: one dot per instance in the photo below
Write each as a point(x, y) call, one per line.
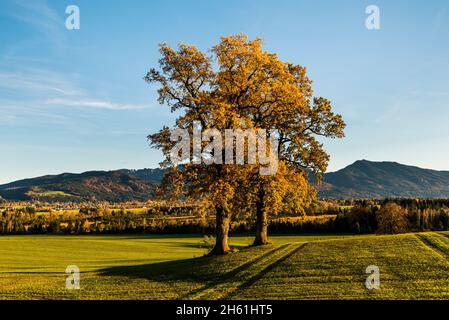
point(392, 216)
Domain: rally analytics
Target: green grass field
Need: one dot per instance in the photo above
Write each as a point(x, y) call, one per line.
point(412, 266)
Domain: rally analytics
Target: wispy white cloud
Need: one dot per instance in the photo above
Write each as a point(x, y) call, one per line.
point(40, 16)
point(38, 88)
point(99, 104)
point(45, 30)
point(42, 89)
point(39, 81)
point(26, 111)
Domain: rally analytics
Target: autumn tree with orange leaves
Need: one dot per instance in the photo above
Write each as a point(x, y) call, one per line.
point(241, 86)
point(276, 95)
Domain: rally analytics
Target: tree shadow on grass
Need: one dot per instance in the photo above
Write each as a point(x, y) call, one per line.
point(202, 269)
point(195, 269)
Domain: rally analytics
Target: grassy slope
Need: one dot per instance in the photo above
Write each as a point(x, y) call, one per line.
point(161, 267)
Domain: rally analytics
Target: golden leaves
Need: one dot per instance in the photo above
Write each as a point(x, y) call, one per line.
point(241, 86)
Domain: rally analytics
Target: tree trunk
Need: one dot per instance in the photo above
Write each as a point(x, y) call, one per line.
point(261, 226)
point(221, 232)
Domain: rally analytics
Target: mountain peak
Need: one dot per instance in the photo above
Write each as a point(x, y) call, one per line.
point(370, 162)
point(370, 179)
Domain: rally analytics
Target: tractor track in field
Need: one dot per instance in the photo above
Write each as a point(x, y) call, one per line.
point(440, 252)
point(231, 273)
point(248, 283)
point(249, 272)
point(443, 234)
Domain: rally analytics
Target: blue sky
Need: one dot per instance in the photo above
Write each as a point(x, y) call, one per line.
point(74, 100)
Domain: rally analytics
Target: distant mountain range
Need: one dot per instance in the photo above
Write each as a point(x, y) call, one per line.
point(362, 179)
point(113, 186)
point(367, 179)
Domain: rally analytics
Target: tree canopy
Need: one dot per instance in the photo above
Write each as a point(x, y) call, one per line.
point(238, 85)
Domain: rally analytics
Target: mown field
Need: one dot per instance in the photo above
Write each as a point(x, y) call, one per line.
point(412, 266)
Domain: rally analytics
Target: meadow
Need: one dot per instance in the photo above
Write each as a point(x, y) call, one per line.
point(412, 266)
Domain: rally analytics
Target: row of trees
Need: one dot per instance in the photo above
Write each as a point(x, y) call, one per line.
point(241, 86)
point(392, 217)
point(389, 218)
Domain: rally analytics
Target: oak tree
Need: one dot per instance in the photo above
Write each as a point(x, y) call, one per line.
point(241, 86)
point(277, 96)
